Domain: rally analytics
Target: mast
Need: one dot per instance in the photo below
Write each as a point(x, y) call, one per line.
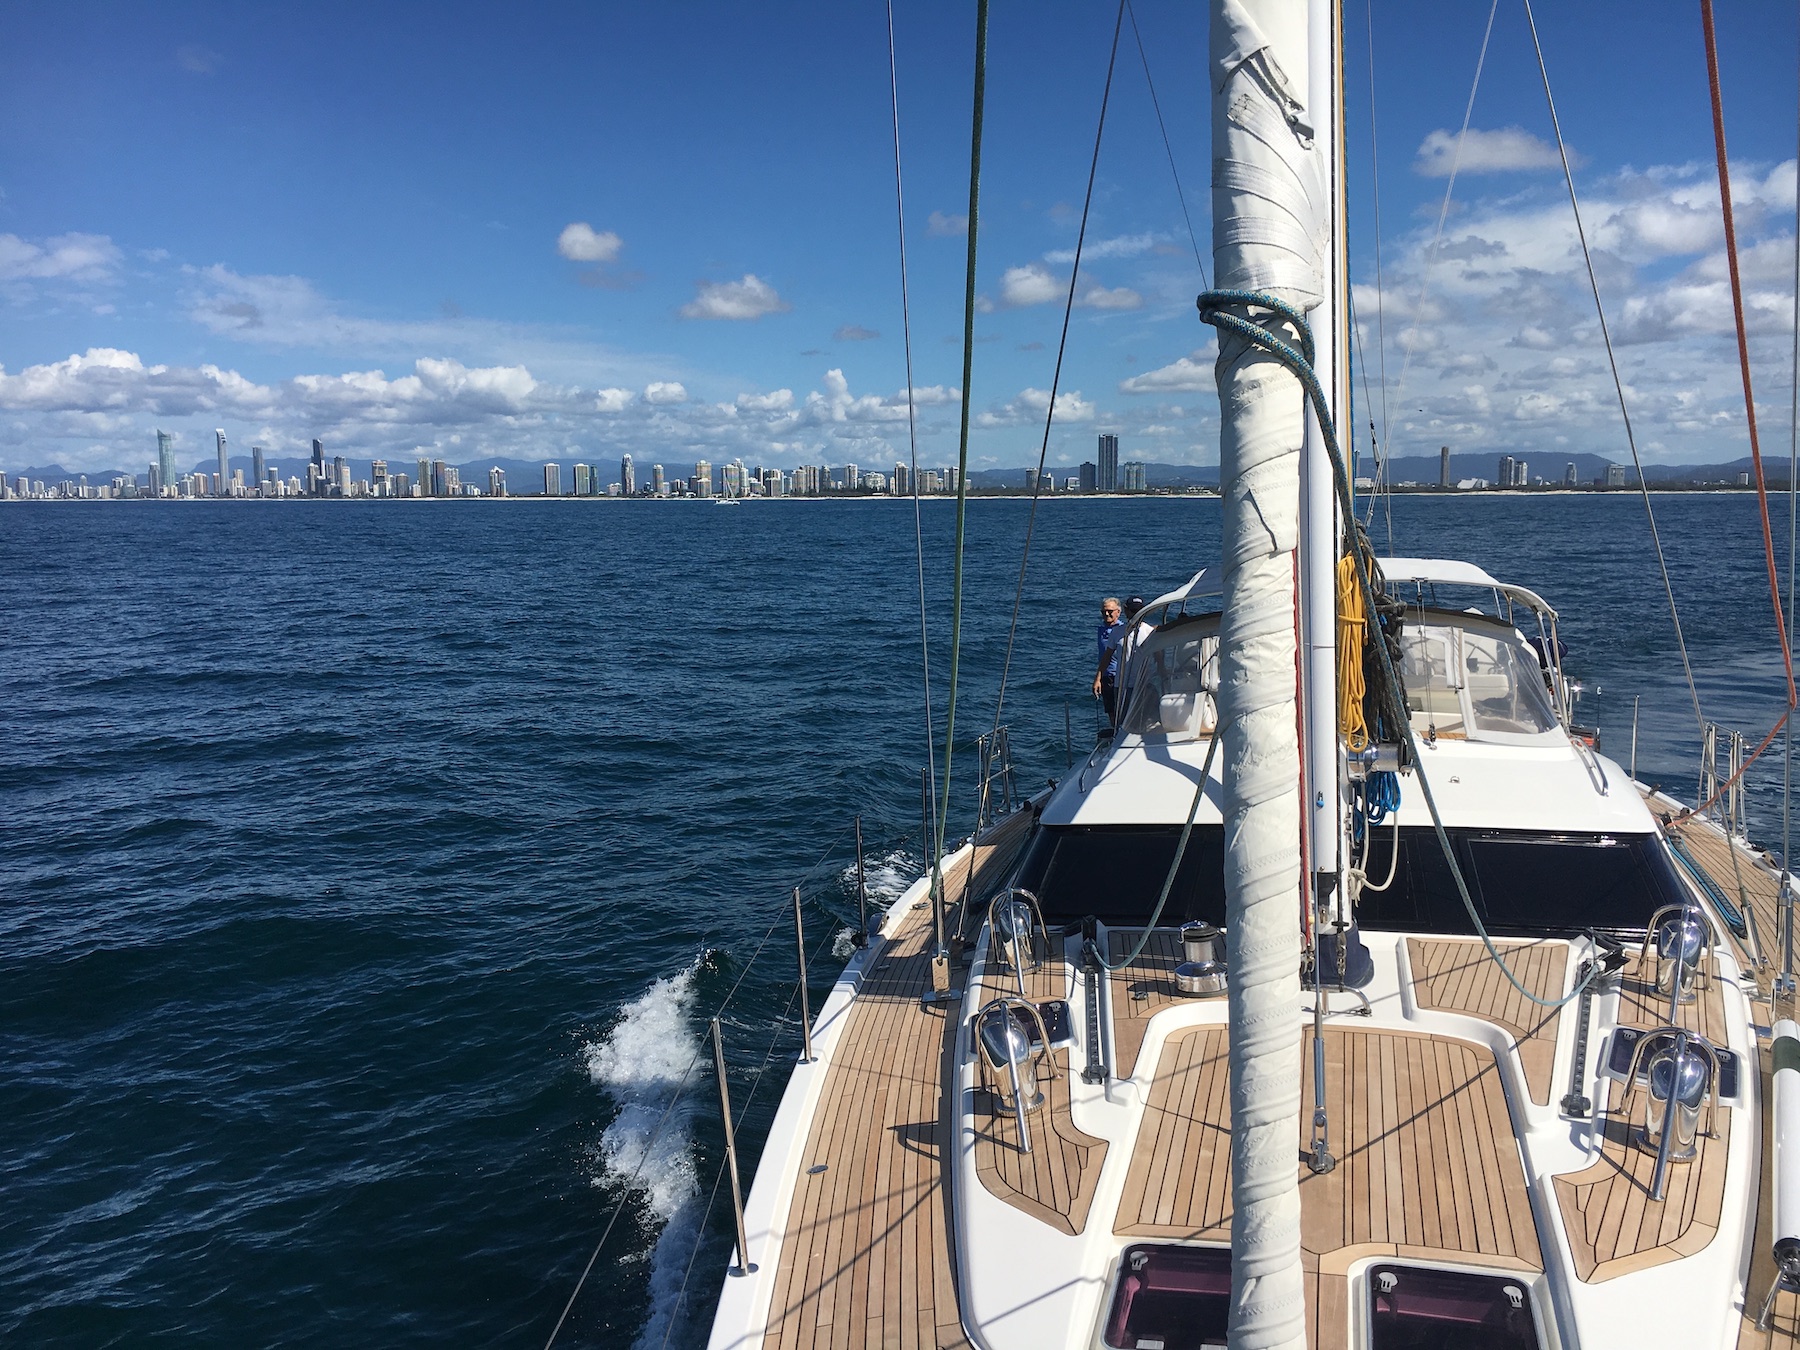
point(1270, 214)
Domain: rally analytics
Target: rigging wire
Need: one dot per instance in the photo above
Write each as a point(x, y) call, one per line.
point(1379, 468)
point(1412, 333)
point(912, 423)
point(1787, 767)
point(1618, 382)
point(1743, 339)
point(1037, 483)
point(1168, 149)
point(1380, 309)
point(962, 453)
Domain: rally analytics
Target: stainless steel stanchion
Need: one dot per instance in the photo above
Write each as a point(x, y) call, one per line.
point(805, 1009)
point(862, 892)
point(743, 1266)
point(1634, 720)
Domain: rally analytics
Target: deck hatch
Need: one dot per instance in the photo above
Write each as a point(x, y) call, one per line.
point(1414, 1308)
point(1170, 1298)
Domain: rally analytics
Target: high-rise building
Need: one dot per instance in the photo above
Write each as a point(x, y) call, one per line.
point(340, 476)
point(902, 481)
point(1505, 477)
point(1444, 466)
point(553, 480)
point(165, 462)
point(424, 480)
point(702, 481)
point(1090, 476)
point(439, 479)
point(852, 479)
point(378, 477)
point(1615, 475)
point(224, 465)
point(1109, 463)
point(1134, 475)
point(627, 476)
point(496, 481)
point(258, 469)
point(1569, 479)
point(316, 482)
point(584, 480)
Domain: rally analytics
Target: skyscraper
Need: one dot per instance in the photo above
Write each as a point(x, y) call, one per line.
point(224, 468)
point(702, 480)
point(852, 479)
point(902, 481)
point(659, 486)
point(1444, 466)
point(424, 478)
point(165, 462)
point(553, 480)
point(1090, 476)
point(496, 481)
point(378, 477)
point(627, 477)
point(440, 479)
point(1505, 477)
point(1109, 464)
point(316, 481)
point(258, 470)
point(340, 476)
point(583, 480)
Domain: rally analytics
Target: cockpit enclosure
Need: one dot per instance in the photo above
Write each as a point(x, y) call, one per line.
point(1171, 683)
point(1472, 678)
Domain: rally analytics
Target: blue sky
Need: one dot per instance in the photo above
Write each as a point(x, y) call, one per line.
point(567, 233)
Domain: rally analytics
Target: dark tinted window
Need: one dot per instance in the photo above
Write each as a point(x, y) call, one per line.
point(1521, 883)
point(1115, 873)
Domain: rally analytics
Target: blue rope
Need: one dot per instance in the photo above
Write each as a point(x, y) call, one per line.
point(1297, 355)
point(1381, 794)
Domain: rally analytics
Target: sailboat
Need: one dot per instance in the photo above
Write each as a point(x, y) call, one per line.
point(1347, 995)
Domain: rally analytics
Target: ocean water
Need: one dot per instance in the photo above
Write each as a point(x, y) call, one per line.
point(368, 871)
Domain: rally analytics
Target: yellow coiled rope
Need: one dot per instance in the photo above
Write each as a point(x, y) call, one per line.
point(1352, 625)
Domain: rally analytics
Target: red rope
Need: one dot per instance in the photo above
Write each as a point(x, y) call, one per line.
point(1743, 342)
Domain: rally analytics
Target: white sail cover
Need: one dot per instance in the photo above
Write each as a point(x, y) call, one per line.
point(1268, 205)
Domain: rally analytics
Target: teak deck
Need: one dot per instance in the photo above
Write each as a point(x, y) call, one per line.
point(1427, 1161)
point(1455, 975)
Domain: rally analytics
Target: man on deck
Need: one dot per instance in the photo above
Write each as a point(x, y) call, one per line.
point(1110, 634)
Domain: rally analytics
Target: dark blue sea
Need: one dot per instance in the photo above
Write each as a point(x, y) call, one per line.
point(368, 871)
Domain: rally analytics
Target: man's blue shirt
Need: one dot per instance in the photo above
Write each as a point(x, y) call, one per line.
point(1109, 636)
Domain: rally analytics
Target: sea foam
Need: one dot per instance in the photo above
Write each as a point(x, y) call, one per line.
point(639, 1064)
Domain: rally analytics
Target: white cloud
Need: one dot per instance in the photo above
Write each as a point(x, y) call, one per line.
point(612, 400)
point(1190, 374)
point(779, 400)
point(64, 257)
point(749, 298)
point(1508, 150)
point(855, 332)
point(944, 226)
point(1031, 284)
point(1119, 297)
point(580, 242)
point(1032, 404)
point(663, 392)
point(1123, 246)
